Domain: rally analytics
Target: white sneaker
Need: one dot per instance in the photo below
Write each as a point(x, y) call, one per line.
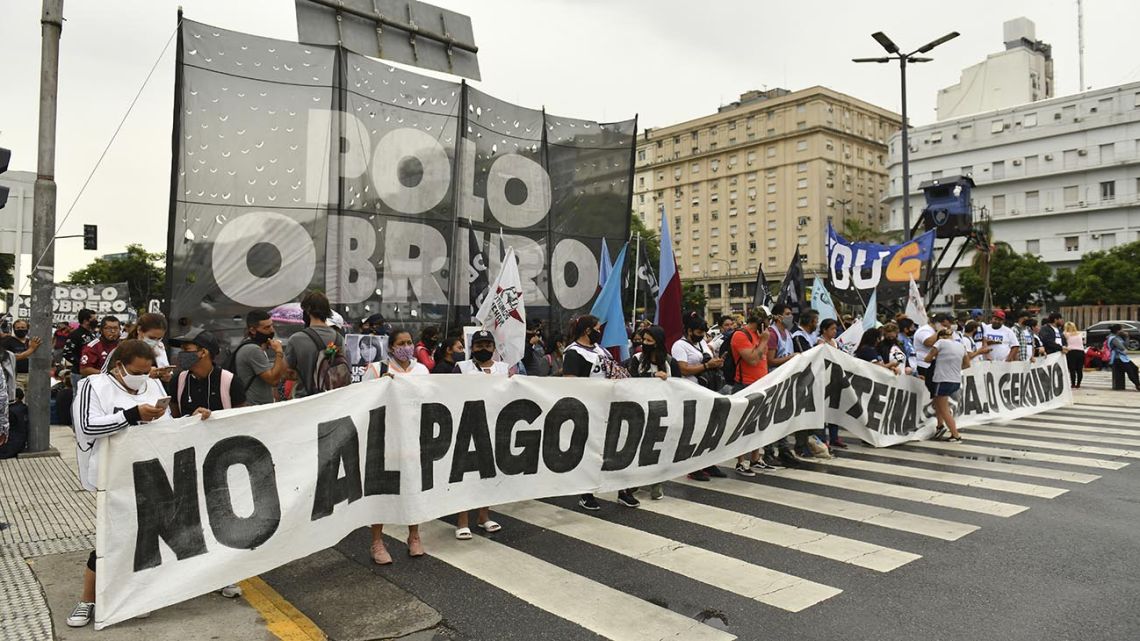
point(83, 614)
point(231, 591)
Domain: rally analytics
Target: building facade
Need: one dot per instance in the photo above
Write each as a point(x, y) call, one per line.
point(1058, 178)
point(1020, 74)
point(743, 188)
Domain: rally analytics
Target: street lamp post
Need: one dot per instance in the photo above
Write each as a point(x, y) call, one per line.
point(896, 54)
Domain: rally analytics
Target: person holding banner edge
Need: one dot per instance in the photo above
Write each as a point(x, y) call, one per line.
point(948, 358)
point(401, 361)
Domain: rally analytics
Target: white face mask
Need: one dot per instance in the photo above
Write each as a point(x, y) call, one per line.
point(135, 382)
point(153, 342)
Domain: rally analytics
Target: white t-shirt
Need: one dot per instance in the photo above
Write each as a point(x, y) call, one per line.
point(373, 371)
point(102, 407)
point(948, 363)
point(498, 368)
point(1006, 340)
point(967, 342)
point(920, 350)
point(685, 352)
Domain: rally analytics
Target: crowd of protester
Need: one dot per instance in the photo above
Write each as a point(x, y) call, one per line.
point(103, 367)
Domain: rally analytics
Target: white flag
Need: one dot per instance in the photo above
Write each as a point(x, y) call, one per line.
point(503, 313)
point(849, 339)
point(915, 308)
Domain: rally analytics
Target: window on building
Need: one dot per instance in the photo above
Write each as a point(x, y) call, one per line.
point(771, 207)
point(771, 243)
point(714, 249)
point(714, 197)
point(696, 269)
point(752, 246)
point(1070, 156)
point(732, 195)
point(1071, 194)
point(801, 183)
point(997, 171)
point(641, 154)
point(1107, 241)
point(801, 167)
point(1033, 246)
point(677, 173)
point(714, 164)
point(1030, 165)
point(1108, 153)
point(1032, 202)
point(695, 168)
point(696, 250)
point(751, 209)
point(801, 145)
point(641, 199)
point(1108, 190)
point(1136, 99)
point(714, 290)
point(731, 212)
point(1029, 120)
point(771, 225)
point(736, 290)
point(714, 214)
point(752, 177)
point(999, 205)
point(771, 152)
point(1072, 243)
point(731, 125)
point(752, 193)
point(771, 188)
point(801, 124)
point(802, 202)
point(715, 232)
point(968, 170)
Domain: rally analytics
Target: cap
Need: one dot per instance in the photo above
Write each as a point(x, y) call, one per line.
point(942, 317)
point(199, 337)
point(482, 335)
point(375, 319)
point(999, 314)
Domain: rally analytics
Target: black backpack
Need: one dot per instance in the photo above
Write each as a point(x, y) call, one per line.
point(725, 352)
point(230, 363)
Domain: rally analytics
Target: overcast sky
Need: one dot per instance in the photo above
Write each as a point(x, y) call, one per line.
point(667, 60)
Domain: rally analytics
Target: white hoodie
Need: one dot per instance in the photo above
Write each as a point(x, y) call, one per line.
point(102, 407)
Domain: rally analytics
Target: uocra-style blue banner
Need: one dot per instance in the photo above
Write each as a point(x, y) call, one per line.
point(856, 269)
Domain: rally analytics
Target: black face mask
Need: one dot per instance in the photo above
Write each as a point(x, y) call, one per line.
point(20, 333)
point(594, 335)
point(458, 356)
point(186, 360)
point(481, 355)
point(260, 338)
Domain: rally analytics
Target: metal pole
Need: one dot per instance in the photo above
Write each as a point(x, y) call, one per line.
point(905, 155)
point(1081, 41)
point(636, 267)
point(43, 271)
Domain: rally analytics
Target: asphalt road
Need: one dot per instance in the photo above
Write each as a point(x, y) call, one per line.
point(1025, 532)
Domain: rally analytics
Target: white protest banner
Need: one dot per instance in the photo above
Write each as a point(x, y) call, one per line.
point(67, 300)
point(503, 312)
point(915, 308)
point(186, 506)
point(362, 349)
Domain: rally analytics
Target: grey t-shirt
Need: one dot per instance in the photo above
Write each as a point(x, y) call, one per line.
point(250, 362)
point(301, 352)
point(948, 363)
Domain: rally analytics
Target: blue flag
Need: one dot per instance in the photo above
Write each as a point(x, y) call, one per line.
point(871, 316)
point(608, 309)
point(605, 267)
point(821, 300)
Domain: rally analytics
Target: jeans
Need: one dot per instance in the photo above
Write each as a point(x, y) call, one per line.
point(1120, 370)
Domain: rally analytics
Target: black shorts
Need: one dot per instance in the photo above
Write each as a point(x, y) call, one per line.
point(927, 374)
point(91, 561)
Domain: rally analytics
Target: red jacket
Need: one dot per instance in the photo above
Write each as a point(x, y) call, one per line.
point(94, 354)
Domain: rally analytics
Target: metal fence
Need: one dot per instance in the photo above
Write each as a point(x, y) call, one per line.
point(1085, 315)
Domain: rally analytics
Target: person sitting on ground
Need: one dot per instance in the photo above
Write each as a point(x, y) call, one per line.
point(482, 361)
point(99, 412)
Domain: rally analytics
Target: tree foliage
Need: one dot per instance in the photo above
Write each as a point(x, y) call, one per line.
point(692, 297)
point(650, 241)
point(861, 231)
point(1017, 280)
point(142, 271)
point(7, 266)
point(1105, 278)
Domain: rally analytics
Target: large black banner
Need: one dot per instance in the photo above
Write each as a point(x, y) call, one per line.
point(298, 166)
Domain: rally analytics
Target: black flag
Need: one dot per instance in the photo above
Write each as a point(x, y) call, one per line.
point(762, 296)
point(647, 286)
point(792, 289)
point(477, 279)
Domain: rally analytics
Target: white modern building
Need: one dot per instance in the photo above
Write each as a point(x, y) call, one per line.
point(16, 223)
point(1058, 177)
point(1022, 73)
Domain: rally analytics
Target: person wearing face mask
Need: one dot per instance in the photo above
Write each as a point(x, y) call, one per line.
point(151, 329)
point(429, 340)
point(401, 362)
point(80, 336)
point(95, 353)
point(448, 356)
point(907, 328)
point(305, 347)
point(1001, 340)
point(123, 397)
point(21, 346)
point(781, 349)
point(653, 362)
point(259, 362)
point(203, 387)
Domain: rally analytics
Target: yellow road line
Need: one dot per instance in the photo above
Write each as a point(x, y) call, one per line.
point(284, 621)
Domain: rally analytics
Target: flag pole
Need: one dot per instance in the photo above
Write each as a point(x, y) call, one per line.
point(636, 266)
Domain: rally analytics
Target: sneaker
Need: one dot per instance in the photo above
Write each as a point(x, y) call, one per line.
point(744, 469)
point(699, 475)
point(83, 614)
point(588, 502)
point(627, 499)
point(838, 443)
point(657, 491)
point(715, 472)
point(770, 462)
point(231, 591)
point(954, 439)
point(939, 433)
point(761, 466)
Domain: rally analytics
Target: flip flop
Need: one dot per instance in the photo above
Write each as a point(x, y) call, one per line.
point(490, 526)
point(463, 533)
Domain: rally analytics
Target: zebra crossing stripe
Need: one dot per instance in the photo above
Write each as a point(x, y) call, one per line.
point(1054, 434)
point(765, 585)
point(828, 546)
point(982, 482)
point(1046, 445)
point(997, 452)
point(1068, 426)
point(950, 460)
point(605, 611)
point(1100, 410)
point(882, 517)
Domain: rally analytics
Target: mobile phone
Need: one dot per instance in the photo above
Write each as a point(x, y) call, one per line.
point(163, 403)
point(166, 370)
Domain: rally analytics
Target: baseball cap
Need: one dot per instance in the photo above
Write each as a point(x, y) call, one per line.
point(999, 314)
point(942, 317)
point(199, 337)
point(482, 335)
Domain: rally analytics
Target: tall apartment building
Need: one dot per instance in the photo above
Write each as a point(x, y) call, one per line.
point(1058, 177)
point(743, 187)
point(1022, 73)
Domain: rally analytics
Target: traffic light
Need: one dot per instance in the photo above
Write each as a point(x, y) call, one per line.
point(90, 237)
point(5, 156)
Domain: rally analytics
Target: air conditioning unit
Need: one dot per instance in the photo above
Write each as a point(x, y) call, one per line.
point(1048, 209)
point(1016, 162)
point(802, 221)
point(1082, 204)
point(1082, 152)
point(1048, 156)
point(948, 298)
point(1095, 236)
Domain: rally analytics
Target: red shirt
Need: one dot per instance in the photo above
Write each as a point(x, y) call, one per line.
point(95, 353)
point(745, 338)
